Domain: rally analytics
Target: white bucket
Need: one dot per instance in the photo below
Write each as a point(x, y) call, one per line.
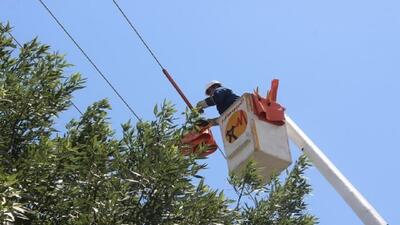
point(246, 137)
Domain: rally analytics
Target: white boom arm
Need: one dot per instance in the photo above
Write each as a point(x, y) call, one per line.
point(364, 210)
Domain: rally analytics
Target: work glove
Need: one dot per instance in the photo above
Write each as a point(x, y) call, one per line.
point(201, 104)
point(207, 122)
point(202, 123)
point(213, 122)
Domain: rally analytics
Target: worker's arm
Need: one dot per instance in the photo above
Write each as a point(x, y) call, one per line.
point(213, 122)
point(205, 103)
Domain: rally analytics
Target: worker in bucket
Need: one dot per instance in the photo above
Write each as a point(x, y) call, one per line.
point(219, 96)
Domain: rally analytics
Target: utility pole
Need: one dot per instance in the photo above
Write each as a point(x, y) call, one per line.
point(364, 210)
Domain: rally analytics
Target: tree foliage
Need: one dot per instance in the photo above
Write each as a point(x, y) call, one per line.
point(89, 175)
point(277, 203)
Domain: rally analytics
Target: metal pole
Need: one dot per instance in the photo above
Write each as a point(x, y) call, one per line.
point(171, 80)
point(364, 210)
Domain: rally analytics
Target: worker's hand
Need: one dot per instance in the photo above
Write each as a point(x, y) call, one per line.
point(202, 123)
point(213, 122)
point(201, 104)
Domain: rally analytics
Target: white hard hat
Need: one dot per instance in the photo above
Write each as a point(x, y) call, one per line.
point(213, 82)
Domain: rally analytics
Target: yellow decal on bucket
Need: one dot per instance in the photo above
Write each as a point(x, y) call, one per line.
point(236, 126)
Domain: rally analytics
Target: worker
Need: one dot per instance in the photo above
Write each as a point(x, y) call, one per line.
point(219, 96)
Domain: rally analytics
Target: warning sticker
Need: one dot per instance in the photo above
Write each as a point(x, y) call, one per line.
point(236, 126)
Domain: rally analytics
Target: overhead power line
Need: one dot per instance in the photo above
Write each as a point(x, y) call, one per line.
point(76, 107)
point(12, 36)
point(20, 45)
point(138, 34)
point(166, 73)
point(90, 60)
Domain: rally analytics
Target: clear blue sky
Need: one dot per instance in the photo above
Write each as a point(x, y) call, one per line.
point(338, 63)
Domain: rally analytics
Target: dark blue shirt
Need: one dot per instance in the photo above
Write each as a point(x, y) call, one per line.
point(222, 98)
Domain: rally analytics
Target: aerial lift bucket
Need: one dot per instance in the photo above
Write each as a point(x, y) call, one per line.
point(254, 128)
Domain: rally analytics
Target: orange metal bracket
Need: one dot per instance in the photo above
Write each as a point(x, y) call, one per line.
point(195, 139)
point(268, 109)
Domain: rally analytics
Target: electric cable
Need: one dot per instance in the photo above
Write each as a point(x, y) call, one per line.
point(138, 34)
point(166, 73)
point(90, 60)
